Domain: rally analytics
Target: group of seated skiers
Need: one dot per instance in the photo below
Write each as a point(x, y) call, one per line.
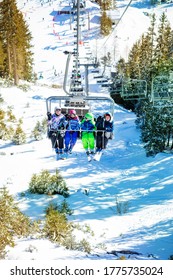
point(64, 130)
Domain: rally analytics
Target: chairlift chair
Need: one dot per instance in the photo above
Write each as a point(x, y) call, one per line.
point(82, 104)
point(66, 103)
point(162, 90)
point(133, 89)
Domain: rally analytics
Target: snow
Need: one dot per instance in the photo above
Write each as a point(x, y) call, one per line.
point(124, 175)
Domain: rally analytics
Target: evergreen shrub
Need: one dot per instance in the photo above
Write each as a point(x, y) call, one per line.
point(39, 130)
point(56, 86)
point(56, 227)
point(45, 183)
point(24, 87)
point(121, 207)
point(19, 136)
point(62, 208)
point(13, 223)
point(7, 118)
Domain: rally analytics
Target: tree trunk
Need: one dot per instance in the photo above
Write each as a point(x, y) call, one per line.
point(16, 78)
point(9, 60)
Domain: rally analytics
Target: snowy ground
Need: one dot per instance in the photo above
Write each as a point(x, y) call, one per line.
point(124, 173)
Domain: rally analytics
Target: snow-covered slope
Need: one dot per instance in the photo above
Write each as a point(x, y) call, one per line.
point(124, 176)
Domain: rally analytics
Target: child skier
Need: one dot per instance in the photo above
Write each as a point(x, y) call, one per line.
point(72, 130)
point(87, 130)
point(105, 125)
point(57, 124)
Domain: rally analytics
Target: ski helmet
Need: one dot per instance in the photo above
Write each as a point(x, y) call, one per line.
point(72, 112)
point(57, 108)
point(89, 116)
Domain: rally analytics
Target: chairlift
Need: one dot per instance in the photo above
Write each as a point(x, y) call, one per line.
point(102, 81)
point(108, 85)
point(116, 87)
point(76, 97)
point(133, 89)
point(98, 77)
point(95, 71)
point(162, 90)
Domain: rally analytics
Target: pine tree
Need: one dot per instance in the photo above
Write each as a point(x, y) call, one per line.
point(121, 67)
point(163, 47)
point(106, 5)
point(133, 64)
point(106, 24)
point(146, 57)
point(13, 223)
point(141, 63)
point(6, 120)
point(151, 57)
point(15, 38)
point(2, 57)
point(106, 61)
point(157, 132)
point(19, 136)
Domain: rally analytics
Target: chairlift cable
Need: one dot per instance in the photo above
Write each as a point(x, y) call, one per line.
point(128, 5)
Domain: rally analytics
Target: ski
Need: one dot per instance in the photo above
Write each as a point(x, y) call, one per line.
point(60, 157)
point(97, 156)
point(66, 155)
point(89, 158)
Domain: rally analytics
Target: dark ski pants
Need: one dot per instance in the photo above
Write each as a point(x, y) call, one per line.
point(101, 141)
point(57, 140)
point(70, 139)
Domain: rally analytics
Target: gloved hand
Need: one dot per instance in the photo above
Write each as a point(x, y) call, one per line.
point(108, 135)
point(49, 115)
point(62, 133)
point(99, 118)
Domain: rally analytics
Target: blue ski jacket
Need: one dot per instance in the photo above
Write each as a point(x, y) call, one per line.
point(73, 124)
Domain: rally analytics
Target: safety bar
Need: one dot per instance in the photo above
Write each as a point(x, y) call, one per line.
point(60, 98)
